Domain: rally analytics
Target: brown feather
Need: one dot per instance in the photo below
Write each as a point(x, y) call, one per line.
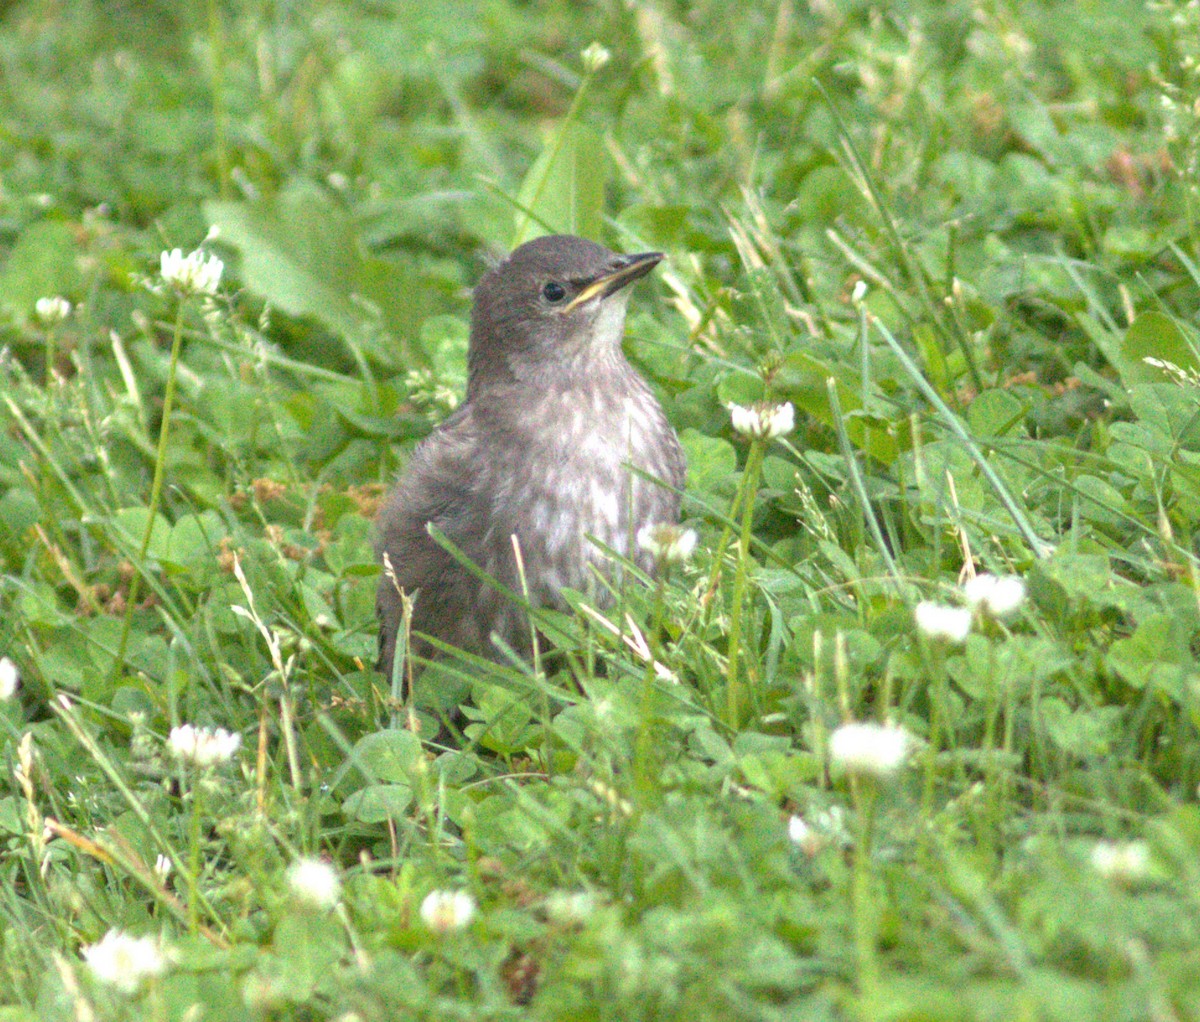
point(554, 419)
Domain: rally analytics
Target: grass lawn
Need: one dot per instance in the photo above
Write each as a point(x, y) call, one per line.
point(911, 735)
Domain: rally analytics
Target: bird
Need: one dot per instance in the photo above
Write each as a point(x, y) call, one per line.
point(559, 443)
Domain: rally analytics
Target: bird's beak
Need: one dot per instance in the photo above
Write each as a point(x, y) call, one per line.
point(625, 271)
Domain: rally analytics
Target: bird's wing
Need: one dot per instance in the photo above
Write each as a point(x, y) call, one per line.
point(443, 487)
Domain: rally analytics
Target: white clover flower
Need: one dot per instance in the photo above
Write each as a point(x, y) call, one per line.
point(570, 908)
point(1121, 861)
point(51, 311)
point(938, 621)
point(10, 678)
point(123, 961)
point(194, 273)
point(162, 868)
point(878, 750)
point(806, 838)
point(315, 882)
point(595, 57)
point(666, 543)
point(998, 596)
point(445, 911)
point(763, 421)
point(859, 292)
point(831, 827)
point(203, 747)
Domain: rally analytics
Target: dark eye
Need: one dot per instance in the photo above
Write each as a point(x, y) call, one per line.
point(554, 292)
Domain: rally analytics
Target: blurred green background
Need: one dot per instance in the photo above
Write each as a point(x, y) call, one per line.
point(948, 233)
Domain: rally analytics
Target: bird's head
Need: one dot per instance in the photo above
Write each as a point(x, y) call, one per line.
point(555, 305)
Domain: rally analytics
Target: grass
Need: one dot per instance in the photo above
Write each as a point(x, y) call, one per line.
point(950, 237)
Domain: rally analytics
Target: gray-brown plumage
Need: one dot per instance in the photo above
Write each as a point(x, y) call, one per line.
point(541, 448)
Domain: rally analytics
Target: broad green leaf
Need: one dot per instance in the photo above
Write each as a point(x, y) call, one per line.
point(1158, 650)
point(780, 774)
point(563, 193)
point(309, 945)
point(1083, 576)
point(1152, 335)
point(1156, 335)
point(1172, 412)
point(505, 721)
point(740, 388)
point(802, 381)
point(711, 462)
point(297, 252)
point(1102, 502)
point(130, 524)
point(194, 542)
point(12, 815)
point(389, 755)
point(43, 263)
point(995, 413)
point(19, 509)
point(302, 253)
point(1082, 732)
point(378, 803)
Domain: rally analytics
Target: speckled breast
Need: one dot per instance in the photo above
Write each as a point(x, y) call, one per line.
point(578, 494)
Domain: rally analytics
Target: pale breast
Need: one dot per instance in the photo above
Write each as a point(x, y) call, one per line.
point(575, 482)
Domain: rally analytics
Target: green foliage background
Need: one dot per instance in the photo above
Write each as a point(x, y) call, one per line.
point(949, 234)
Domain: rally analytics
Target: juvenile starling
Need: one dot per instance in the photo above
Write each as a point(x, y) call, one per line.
point(558, 440)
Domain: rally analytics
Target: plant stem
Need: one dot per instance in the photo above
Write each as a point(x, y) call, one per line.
point(216, 41)
point(51, 355)
point(160, 457)
point(193, 873)
point(992, 769)
point(938, 694)
point(865, 937)
point(749, 488)
point(641, 755)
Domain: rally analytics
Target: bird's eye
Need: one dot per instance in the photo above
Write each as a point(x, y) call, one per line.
point(554, 292)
